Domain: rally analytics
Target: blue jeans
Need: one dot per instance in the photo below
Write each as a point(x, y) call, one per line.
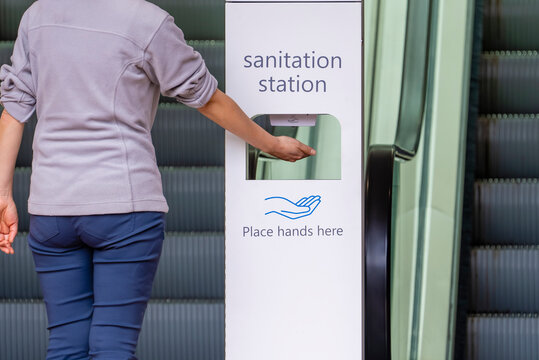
point(96, 273)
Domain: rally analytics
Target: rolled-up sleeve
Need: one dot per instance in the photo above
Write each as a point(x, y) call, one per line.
point(177, 68)
point(17, 93)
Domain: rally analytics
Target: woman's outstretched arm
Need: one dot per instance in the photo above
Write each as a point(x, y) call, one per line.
point(225, 112)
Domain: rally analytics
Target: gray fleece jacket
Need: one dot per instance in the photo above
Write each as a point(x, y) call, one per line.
point(93, 71)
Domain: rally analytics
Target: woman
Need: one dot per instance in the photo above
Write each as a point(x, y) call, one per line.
point(93, 70)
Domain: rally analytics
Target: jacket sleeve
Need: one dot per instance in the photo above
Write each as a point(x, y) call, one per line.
point(17, 93)
point(177, 68)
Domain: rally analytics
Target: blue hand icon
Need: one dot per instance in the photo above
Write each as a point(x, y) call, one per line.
point(284, 207)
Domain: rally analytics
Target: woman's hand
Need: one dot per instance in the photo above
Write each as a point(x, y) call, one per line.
point(290, 149)
point(9, 224)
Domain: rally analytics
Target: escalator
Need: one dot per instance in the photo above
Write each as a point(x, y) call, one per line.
point(499, 289)
point(468, 197)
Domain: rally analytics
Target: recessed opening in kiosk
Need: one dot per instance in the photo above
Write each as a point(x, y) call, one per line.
point(320, 131)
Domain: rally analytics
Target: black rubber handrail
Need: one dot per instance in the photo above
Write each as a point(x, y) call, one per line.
point(378, 208)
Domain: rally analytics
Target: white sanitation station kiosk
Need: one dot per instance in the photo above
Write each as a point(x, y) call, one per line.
point(294, 243)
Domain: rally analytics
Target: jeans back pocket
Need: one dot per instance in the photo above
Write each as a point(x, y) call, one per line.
point(43, 228)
